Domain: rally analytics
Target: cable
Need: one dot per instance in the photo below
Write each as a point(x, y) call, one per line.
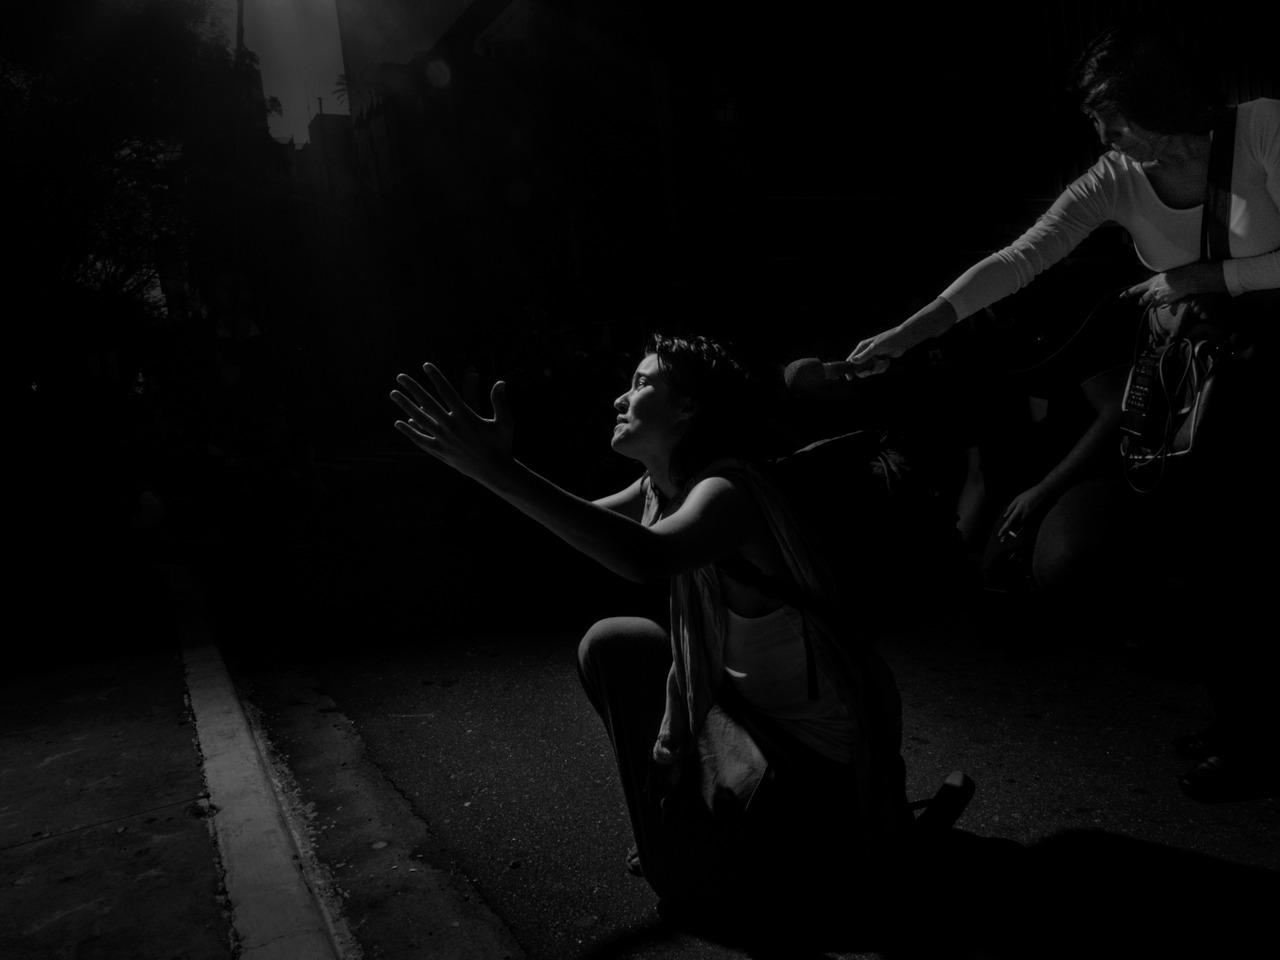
point(1197, 359)
point(1106, 299)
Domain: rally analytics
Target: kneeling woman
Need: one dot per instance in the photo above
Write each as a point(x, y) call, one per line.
point(754, 634)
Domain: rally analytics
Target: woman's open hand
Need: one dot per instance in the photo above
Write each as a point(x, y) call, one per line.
point(450, 430)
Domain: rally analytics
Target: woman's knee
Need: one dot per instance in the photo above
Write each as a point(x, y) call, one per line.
point(1057, 557)
point(1064, 559)
point(619, 640)
point(1079, 536)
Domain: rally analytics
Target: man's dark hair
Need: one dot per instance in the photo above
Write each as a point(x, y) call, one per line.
point(735, 403)
point(1148, 77)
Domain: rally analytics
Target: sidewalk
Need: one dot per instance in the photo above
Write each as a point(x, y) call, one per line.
point(137, 818)
point(105, 846)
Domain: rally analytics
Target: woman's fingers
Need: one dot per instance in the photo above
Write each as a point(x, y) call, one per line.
point(421, 439)
point(430, 405)
point(858, 354)
point(498, 399)
point(872, 355)
point(453, 402)
point(1014, 516)
point(840, 368)
point(413, 413)
point(1012, 523)
point(871, 367)
point(443, 424)
point(416, 420)
point(471, 388)
point(1139, 288)
point(1154, 290)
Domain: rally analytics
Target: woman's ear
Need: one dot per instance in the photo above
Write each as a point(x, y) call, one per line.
point(685, 409)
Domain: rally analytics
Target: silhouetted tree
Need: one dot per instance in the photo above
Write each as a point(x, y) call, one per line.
point(130, 142)
point(140, 170)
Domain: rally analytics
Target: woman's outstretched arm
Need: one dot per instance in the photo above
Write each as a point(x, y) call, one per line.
point(874, 353)
point(1080, 209)
point(715, 519)
point(629, 501)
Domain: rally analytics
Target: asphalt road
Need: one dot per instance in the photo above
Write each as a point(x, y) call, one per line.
point(416, 676)
point(489, 741)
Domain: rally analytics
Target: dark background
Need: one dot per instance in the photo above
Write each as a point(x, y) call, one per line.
point(794, 178)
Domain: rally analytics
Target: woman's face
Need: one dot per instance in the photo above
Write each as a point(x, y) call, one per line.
point(651, 416)
point(1125, 136)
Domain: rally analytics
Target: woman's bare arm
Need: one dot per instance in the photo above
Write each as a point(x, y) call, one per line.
point(1105, 393)
point(874, 353)
point(715, 519)
point(629, 502)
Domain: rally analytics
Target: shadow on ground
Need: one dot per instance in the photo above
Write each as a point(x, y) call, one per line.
point(1077, 893)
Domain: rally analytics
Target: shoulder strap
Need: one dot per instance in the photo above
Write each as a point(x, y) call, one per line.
point(654, 502)
point(1214, 222)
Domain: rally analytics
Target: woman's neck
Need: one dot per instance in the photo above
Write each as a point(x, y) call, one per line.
point(1183, 151)
point(658, 466)
point(661, 477)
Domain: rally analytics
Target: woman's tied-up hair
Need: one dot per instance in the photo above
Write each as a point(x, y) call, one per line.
point(733, 403)
point(1148, 77)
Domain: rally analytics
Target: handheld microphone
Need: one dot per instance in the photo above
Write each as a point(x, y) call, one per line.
point(810, 375)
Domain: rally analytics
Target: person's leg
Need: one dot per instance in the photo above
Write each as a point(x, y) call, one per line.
point(1228, 612)
point(1076, 544)
point(673, 734)
point(624, 663)
point(1091, 562)
point(1236, 523)
point(1181, 563)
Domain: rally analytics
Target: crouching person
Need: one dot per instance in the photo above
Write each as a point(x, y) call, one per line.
point(758, 741)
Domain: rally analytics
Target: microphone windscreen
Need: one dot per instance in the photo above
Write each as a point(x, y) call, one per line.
point(805, 376)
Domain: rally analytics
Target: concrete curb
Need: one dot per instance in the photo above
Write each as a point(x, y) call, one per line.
point(275, 913)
